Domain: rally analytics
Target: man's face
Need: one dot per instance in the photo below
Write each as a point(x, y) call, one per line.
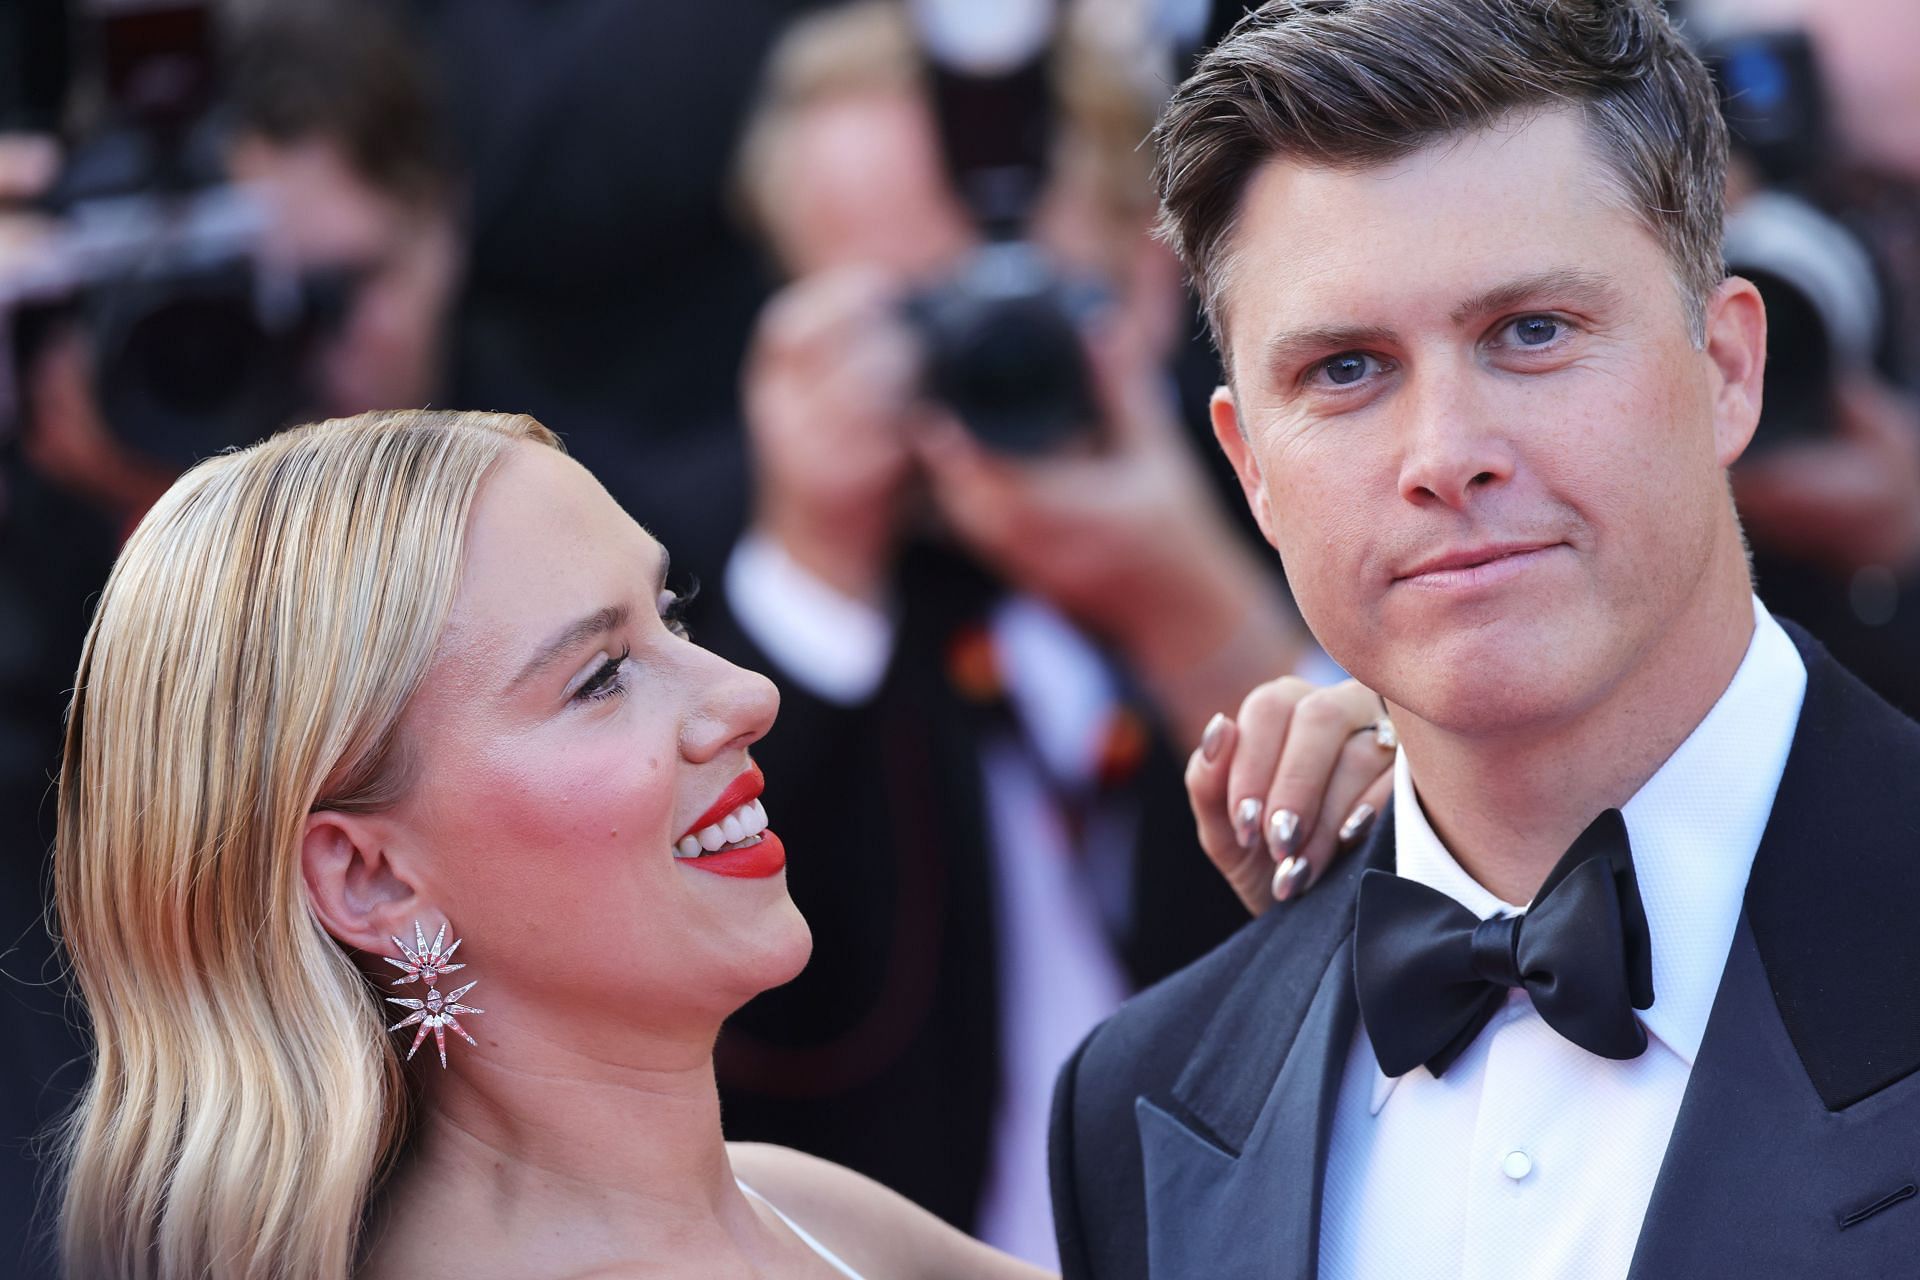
point(404, 260)
point(863, 185)
point(1475, 424)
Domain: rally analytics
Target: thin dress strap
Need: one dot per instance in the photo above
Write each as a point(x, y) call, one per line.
point(827, 1255)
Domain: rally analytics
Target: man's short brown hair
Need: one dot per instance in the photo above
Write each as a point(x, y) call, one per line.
point(349, 73)
point(1349, 84)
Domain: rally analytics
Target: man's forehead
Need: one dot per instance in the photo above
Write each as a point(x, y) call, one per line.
point(1316, 244)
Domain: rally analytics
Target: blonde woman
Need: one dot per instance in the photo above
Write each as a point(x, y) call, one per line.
point(403, 672)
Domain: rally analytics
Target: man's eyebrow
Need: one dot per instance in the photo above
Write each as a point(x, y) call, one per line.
point(1587, 286)
point(608, 618)
point(1284, 348)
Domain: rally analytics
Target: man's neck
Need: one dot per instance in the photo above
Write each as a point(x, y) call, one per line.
point(1507, 806)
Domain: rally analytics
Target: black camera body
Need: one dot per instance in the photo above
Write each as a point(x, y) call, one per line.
point(1005, 348)
point(1005, 334)
point(199, 339)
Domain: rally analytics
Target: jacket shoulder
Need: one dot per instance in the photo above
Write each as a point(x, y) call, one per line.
point(1835, 887)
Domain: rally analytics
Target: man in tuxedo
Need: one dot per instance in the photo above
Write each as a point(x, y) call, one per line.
point(1625, 981)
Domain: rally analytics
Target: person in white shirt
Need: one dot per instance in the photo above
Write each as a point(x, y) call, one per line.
point(990, 664)
point(1622, 982)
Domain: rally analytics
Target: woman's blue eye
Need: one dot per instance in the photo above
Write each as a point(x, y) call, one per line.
point(1345, 370)
point(1536, 331)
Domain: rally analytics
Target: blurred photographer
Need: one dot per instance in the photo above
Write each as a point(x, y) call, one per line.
point(1094, 501)
point(986, 567)
point(254, 222)
point(1824, 215)
point(247, 217)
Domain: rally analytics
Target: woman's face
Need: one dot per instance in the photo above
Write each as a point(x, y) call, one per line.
point(567, 737)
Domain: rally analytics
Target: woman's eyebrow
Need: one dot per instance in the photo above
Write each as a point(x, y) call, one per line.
point(609, 618)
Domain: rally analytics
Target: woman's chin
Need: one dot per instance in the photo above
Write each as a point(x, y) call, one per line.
point(780, 945)
point(792, 957)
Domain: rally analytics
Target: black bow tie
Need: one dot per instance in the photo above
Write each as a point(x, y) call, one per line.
point(1430, 975)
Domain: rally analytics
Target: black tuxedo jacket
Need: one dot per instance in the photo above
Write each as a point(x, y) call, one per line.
point(1190, 1130)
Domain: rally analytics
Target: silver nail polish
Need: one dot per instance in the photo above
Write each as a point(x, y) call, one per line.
point(1282, 828)
point(1290, 877)
point(1356, 822)
point(1216, 734)
point(1246, 822)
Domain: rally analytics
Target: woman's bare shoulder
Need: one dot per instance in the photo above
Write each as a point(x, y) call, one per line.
point(877, 1232)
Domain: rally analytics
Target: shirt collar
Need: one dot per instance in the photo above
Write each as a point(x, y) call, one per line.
point(1695, 827)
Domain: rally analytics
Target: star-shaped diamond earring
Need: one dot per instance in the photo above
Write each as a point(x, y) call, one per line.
point(435, 1010)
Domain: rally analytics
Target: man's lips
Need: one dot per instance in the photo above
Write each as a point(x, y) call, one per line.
point(747, 786)
point(1466, 565)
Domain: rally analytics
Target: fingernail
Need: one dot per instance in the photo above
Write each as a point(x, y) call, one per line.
point(1215, 737)
point(1356, 822)
point(1246, 822)
point(1290, 877)
point(1282, 827)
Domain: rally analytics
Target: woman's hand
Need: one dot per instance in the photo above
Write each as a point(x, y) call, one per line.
point(1291, 782)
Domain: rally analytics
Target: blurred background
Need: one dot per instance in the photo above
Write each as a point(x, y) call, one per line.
point(855, 306)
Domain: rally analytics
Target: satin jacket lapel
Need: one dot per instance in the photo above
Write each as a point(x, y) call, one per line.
point(1234, 1156)
point(1760, 1178)
point(1797, 1147)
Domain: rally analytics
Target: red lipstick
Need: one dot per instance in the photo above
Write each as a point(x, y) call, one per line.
point(765, 857)
point(747, 786)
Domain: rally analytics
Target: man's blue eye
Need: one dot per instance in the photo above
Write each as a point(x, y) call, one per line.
point(1344, 371)
point(1536, 331)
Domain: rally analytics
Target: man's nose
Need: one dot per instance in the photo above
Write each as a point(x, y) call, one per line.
point(1453, 441)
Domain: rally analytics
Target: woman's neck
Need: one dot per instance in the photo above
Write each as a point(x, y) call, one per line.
point(569, 1155)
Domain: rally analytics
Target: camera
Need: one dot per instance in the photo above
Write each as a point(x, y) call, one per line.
point(199, 337)
point(1003, 334)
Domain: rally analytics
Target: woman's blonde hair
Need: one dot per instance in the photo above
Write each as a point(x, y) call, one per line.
point(248, 664)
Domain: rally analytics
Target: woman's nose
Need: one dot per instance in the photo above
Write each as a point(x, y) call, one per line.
point(734, 709)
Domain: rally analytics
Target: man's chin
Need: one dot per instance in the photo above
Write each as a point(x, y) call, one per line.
point(1484, 684)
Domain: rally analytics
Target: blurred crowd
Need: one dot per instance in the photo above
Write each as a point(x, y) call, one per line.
point(856, 306)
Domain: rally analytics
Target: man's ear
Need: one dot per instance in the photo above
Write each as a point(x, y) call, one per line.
point(1233, 441)
point(363, 896)
point(1737, 349)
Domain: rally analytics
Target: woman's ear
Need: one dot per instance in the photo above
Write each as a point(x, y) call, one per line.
point(362, 895)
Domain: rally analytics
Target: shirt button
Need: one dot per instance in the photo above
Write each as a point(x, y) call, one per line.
point(1517, 1165)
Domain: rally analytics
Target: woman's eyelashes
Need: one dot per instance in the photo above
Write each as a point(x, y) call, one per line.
point(673, 609)
point(607, 679)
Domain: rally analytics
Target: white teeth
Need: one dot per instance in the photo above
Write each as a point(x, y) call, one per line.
point(739, 827)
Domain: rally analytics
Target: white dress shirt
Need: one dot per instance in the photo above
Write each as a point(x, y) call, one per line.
point(1531, 1157)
